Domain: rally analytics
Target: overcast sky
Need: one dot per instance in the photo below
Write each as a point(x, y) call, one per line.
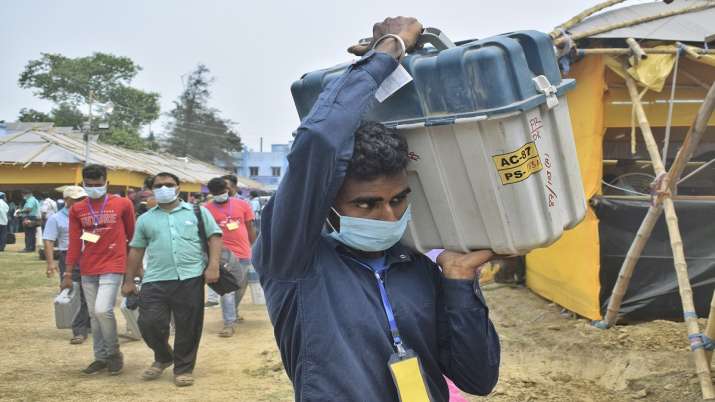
point(255, 49)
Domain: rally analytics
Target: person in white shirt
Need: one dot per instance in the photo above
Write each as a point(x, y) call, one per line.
point(256, 207)
point(4, 208)
point(47, 209)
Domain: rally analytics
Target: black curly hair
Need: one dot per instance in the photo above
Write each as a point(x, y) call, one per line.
point(379, 151)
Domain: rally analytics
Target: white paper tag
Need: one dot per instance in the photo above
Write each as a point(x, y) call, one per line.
point(90, 237)
point(398, 79)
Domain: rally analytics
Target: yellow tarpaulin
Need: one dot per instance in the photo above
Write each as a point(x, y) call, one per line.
point(651, 72)
point(567, 272)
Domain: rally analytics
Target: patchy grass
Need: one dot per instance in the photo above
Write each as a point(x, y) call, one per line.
point(37, 363)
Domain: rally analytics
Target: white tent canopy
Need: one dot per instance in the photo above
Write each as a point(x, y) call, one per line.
point(690, 27)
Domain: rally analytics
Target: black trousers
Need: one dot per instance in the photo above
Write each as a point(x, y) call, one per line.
point(3, 236)
point(30, 238)
point(185, 300)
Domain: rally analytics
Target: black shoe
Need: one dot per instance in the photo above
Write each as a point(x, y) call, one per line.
point(95, 367)
point(115, 363)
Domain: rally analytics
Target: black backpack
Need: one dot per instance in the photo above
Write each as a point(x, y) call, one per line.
point(226, 283)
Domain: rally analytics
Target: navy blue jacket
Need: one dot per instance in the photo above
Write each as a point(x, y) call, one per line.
point(328, 318)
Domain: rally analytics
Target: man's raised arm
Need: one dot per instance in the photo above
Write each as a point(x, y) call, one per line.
point(292, 221)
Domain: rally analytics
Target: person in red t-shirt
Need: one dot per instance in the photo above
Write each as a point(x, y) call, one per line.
point(99, 229)
point(235, 217)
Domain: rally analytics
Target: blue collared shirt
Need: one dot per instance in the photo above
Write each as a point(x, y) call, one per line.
point(329, 321)
point(57, 229)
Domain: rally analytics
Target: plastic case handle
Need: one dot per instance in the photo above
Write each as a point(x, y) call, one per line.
point(430, 35)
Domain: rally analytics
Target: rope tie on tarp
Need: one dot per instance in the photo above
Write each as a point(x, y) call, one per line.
point(565, 53)
point(658, 189)
point(569, 43)
point(701, 341)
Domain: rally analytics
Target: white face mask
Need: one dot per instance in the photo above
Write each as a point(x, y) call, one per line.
point(221, 198)
point(96, 192)
point(165, 195)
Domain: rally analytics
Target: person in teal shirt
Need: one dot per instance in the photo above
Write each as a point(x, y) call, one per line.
point(30, 220)
point(173, 280)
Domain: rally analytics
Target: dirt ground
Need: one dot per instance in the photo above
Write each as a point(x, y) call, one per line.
point(547, 355)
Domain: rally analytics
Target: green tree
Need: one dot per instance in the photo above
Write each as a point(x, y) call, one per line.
point(126, 138)
point(151, 142)
point(91, 82)
point(198, 130)
point(66, 115)
point(32, 115)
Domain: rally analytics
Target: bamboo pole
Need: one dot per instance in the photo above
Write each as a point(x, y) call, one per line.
point(692, 139)
point(636, 21)
point(710, 328)
point(690, 52)
point(582, 15)
point(625, 51)
point(636, 50)
point(629, 265)
point(676, 243)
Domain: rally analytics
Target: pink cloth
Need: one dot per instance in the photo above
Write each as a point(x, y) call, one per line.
point(454, 394)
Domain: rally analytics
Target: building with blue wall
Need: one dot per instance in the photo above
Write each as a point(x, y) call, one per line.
point(265, 167)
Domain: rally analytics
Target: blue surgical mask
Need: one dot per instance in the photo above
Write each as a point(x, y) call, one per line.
point(370, 234)
point(165, 195)
point(221, 198)
point(96, 192)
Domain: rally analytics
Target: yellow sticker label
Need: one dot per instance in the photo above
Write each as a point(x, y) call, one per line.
point(232, 226)
point(90, 237)
point(518, 165)
point(408, 380)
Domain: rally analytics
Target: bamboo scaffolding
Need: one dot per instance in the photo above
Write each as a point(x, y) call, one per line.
point(561, 40)
point(681, 269)
point(626, 51)
point(690, 143)
point(636, 50)
point(690, 52)
point(710, 328)
point(581, 16)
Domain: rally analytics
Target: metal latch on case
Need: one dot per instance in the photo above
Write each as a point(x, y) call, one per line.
point(544, 86)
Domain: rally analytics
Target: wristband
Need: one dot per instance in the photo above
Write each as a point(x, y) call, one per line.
point(67, 274)
point(399, 40)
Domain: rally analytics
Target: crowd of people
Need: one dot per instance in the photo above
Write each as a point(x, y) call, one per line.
point(102, 244)
point(28, 214)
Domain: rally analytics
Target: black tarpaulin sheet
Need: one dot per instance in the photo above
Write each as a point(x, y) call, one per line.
point(653, 290)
